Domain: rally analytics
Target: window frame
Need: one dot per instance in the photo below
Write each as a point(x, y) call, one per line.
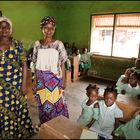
point(114, 24)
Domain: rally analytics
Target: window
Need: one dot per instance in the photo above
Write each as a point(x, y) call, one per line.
point(116, 35)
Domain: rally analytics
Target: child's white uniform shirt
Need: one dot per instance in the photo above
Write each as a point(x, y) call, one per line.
point(107, 117)
point(120, 85)
point(119, 82)
point(132, 91)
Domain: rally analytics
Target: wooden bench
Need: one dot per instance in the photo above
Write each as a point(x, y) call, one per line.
point(68, 77)
point(75, 67)
point(129, 105)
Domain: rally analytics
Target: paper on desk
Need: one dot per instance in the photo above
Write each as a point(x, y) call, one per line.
point(87, 134)
point(100, 133)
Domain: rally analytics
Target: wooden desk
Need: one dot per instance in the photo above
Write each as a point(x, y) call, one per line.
point(60, 128)
point(128, 105)
point(75, 67)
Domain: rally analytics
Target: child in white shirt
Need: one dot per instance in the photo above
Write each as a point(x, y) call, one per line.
point(133, 88)
point(110, 113)
point(123, 81)
point(137, 66)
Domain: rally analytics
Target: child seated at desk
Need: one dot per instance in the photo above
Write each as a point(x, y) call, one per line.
point(130, 130)
point(85, 62)
point(132, 88)
point(137, 66)
point(123, 81)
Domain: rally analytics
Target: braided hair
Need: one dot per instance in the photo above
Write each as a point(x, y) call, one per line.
point(110, 89)
point(91, 88)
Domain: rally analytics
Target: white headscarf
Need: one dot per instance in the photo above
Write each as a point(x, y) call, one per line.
point(8, 21)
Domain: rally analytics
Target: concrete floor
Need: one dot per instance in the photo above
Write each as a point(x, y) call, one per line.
point(75, 94)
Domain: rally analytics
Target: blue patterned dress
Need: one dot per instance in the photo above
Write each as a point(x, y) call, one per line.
point(14, 116)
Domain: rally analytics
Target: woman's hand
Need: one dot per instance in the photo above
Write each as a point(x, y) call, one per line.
point(64, 83)
point(24, 78)
point(34, 85)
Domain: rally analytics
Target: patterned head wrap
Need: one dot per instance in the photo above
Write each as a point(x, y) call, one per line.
point(47, 19)
point(2, 19)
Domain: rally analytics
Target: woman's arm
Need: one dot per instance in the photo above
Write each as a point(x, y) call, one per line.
point(62, 58)
point(24, 78)
point(23, 62)
point(63, 75)
point(34, 59)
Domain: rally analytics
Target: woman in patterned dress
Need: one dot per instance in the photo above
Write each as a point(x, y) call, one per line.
point(14, 116)
point(49, 56)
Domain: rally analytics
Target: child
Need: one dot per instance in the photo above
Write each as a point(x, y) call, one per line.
point(130, 130)
point(137, 66)
point(123, 81)
point(68, 65)
point(133, 87)
point(85, 62)
point(109, 112)
point(77, 53)
point(90, 107)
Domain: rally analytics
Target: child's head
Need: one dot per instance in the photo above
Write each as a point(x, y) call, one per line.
point(128, 72)
point(5, 41)
point(110, 95)
point(66, 44)
point(92, 92)
point(77, 51)
point(84, 50)
point(137, 63)
point(134, 79)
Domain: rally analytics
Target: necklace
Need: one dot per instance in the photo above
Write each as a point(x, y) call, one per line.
point(3, 54)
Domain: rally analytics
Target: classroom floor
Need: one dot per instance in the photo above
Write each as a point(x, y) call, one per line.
point(75, 93)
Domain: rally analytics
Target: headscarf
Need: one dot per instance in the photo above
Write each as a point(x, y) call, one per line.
point(47, 19)
point(2, 19)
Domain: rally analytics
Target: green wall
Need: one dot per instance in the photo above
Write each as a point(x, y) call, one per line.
point(73, 25)
point(73, 17)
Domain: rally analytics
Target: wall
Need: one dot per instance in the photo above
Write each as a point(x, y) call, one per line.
point(73, 21)
point(73, 17)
